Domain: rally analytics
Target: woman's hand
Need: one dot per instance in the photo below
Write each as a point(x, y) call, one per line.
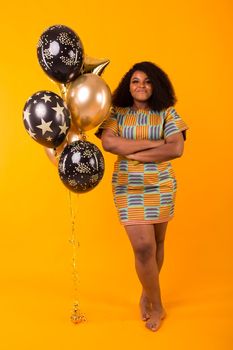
point(122, 146)
point(130, 156)
point(171, 149)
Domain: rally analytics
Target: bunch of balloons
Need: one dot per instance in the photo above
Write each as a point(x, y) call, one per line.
point(59, 123)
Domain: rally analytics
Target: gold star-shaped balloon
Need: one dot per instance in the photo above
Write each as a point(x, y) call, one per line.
point(90, 65)
point(94, 65)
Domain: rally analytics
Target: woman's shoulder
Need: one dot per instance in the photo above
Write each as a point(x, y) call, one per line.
point(120, 110)
point(164, 113)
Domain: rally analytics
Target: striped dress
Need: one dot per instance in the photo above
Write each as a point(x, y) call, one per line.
point(144, 193)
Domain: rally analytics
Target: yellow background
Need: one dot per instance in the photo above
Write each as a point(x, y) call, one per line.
point(192, 42)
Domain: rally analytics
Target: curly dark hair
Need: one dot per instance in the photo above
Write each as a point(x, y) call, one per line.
point(163, 95)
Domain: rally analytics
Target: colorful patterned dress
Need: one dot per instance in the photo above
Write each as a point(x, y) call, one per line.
point(144, 193)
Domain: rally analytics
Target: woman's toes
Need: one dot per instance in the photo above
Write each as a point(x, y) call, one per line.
point(145, 316)
point(152, 326)
point(155, 320)
point(145, 309)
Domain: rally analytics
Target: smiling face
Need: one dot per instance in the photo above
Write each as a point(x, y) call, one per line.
point(140, 87)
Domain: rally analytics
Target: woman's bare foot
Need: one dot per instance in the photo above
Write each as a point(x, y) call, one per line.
point(155, 319)
point(145, 307)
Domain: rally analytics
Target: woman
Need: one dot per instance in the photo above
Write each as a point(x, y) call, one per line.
point(145, 132)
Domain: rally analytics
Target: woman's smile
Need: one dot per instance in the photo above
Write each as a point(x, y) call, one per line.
point(140, 86)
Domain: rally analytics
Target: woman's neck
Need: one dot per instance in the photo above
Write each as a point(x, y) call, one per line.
point(140, 105)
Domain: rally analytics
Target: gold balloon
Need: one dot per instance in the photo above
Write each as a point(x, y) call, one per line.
point(89, 101)
point(94, 65)
point(90, 65)
point(63, 89)
point(73, 136)
point(54, 153)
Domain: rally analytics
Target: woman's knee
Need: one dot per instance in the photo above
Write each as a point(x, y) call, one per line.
point(144, 252)
point(142, 240)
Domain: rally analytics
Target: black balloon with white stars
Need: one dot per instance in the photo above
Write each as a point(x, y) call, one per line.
point(60, 53)
point(81, 166)
point(46, 118)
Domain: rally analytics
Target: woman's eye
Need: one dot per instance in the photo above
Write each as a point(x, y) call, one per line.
point(137, 82)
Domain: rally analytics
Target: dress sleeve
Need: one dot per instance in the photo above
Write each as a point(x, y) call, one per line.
point(110, 123)
point(173, 123)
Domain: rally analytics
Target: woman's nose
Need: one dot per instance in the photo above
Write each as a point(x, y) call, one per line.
point(141, 83)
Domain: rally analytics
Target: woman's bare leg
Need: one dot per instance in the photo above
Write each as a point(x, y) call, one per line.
point(160, 231)
point(142, 238)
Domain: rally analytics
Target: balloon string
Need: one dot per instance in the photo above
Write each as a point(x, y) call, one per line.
point(76, 315)
point(55, 153)
point(83, 136)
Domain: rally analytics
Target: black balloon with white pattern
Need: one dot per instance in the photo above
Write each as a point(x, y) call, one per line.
point(81, 166)
point(60, 53)
point(46, 118)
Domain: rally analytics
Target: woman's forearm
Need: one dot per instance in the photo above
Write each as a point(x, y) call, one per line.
point(122, 146)
point(163, 153)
